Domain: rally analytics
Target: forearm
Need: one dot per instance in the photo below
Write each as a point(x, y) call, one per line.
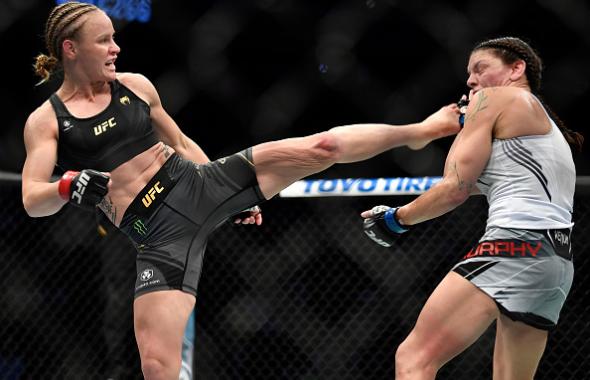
point(362, 141)
point(42, 199)
point(440, 199)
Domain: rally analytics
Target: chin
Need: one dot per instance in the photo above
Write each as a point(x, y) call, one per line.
point(111, 77)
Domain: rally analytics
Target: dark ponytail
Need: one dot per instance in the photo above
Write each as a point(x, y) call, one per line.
point(575, 139)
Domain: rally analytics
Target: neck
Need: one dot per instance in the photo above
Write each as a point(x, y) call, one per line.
point(78, 88)
point(520, 83)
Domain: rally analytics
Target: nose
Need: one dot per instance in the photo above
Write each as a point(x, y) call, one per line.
point(471, 81)
point(115, 49)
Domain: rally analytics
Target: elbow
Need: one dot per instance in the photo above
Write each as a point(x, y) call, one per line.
point(28, 202)
point(454, 195)
point(41, 200)
point(457, 197)
point(29, 208)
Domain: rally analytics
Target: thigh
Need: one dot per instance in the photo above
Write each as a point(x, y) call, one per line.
point(453, 318)
point(229, 185)
point(280, 163)
point(518, 349)
point(160, 320)
point(169, 252)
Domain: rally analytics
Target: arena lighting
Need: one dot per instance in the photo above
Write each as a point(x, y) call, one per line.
point(129, 10)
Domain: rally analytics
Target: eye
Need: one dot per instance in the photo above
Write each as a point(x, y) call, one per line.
point(107, 39)
point(478, 69)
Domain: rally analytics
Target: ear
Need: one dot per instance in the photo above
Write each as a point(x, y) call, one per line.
point(518, 70)
point(68, 49)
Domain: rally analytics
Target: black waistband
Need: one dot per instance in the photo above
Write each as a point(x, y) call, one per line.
point(561, 240)
point(153, 194)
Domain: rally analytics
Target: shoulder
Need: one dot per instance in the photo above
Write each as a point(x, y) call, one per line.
point(141, 86)
point(517, 113)
point(506, 100)
point(492, 103)
point(133, 79)
point(136, 82)
point(499, 97)
point(43, 120)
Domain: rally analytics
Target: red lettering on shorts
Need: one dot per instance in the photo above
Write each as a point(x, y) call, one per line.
point(504, 248)
point(472, 253)
point(487, 247)
point(535, 249)
point(521, 248)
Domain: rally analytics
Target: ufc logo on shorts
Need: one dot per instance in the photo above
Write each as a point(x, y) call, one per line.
point(374, 237)
point(151, 194)
point(81, 184)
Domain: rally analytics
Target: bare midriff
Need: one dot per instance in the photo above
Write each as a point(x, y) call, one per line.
point(129, 178)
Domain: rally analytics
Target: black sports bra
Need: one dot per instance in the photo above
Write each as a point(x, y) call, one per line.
point(108, 139)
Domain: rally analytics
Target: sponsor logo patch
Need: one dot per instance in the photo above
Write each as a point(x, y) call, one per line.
point(146, 275)
point(125, 100)
point(139, 227)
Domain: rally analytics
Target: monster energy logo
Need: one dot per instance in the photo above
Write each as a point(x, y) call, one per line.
point(140, 227)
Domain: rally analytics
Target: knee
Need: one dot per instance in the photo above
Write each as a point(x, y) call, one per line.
point(413, 362)
point(326, 147)
point(157, 369)
point(404, 358)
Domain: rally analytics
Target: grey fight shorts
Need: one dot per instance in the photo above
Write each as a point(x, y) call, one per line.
point(528, 273)
point(170, 219)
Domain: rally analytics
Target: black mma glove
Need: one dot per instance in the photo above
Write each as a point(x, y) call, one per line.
point(383, 227)
point(84, 189)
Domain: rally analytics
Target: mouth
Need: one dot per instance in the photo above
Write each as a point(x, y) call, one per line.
point(111, 64)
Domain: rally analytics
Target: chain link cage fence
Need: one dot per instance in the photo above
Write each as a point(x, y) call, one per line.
point(304, 296)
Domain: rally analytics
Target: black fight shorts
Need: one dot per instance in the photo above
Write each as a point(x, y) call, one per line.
point(170, 219)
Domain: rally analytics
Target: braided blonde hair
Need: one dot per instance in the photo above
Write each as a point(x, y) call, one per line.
point(61, 25)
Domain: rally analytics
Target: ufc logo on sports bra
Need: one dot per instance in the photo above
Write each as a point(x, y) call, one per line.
point(102, 127)
point(151, 194)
